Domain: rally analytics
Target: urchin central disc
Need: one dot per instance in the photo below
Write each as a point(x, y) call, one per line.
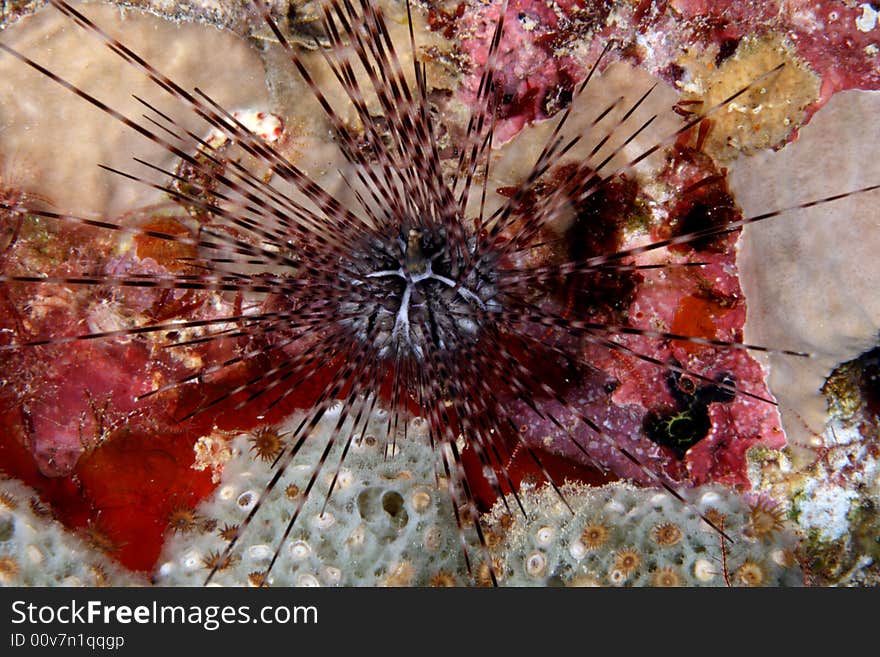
point(420, 299)
point(417, 270)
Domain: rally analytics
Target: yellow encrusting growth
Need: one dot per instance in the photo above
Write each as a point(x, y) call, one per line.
point(8, 501)
point(266, 443)
point(182, 520)
point(619, 535)
point(442, 579)
point(765, 518)
point(763, 117)
point(402, 574)
point(483, 573)
point(627, 560)
point(228, 531)
point(8, 569)
point(37, 550)
point(215, 559)
point(257, 579)
point(101, 576)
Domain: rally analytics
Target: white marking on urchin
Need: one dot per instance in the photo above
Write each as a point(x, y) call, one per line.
point(401, 320)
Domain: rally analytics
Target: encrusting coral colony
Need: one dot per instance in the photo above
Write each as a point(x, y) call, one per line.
point(439, 293)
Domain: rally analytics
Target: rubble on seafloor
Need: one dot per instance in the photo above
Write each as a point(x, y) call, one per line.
point(828, 489)
point(834, 499)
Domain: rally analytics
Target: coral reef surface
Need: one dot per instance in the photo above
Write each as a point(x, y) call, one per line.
point(82, 423)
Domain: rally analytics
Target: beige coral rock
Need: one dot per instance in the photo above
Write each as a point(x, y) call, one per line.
point(764, 116)
point(616, 91)
point(57, 139)
point(811, 276)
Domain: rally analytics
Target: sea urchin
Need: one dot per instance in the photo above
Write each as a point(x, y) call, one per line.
point(413, 284)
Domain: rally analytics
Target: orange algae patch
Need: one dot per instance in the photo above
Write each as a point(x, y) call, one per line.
point(133, 482)
point(126, 488)
point(166, 252)
point(123, 489)
point(698, 317)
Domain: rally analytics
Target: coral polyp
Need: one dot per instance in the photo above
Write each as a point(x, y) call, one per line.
point(666, 534)
point(594, 536)
point(666, 577)
point(267, 443)
point(348, 332)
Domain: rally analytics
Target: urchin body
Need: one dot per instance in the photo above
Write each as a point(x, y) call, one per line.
point(417, 293)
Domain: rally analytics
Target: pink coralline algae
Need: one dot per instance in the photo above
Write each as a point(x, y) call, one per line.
point(548, 46)
point(73, 424)
point(546, 49)
point(73, 396)
point(537, 75)
point(691, 425)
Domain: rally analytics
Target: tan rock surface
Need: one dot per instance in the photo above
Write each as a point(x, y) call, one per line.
point(53, 140)
point(812, 276)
